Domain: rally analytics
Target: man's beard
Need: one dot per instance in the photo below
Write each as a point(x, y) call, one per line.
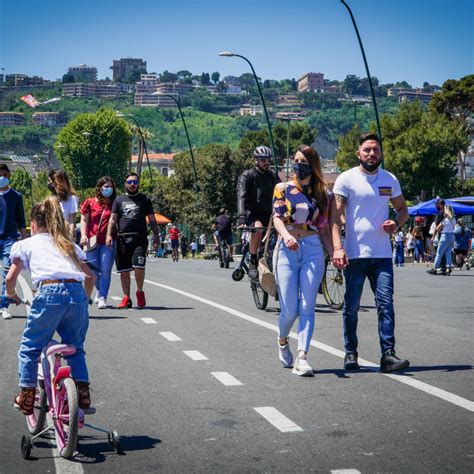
point(368, 167)
point(129, 191)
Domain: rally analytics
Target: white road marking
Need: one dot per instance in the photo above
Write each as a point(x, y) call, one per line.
point(148, 320)
point(424, 387)
point(278, 420)
point(226, 378)
point(195, 355)
point(345, 471)
point(116, 298)
point(170, 336)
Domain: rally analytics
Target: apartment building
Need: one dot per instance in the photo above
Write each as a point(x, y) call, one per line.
point(124, 69)
point(83, 73)
point(251, 109)
point(8, 119)
point(104, 90)
point(311, 81)
point(49, 119)
point(163, 162)
point(144, 90)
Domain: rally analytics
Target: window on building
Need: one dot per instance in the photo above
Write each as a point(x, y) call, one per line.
point(164, 171)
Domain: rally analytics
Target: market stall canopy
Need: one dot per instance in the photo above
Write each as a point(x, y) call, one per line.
point(464, 200)
point(161, 219)
point(428, 208)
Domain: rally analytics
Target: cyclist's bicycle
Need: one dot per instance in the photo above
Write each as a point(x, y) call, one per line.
point(223, 252)
point(332, 285)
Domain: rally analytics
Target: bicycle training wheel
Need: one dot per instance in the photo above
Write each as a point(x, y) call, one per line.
point(67, 418)
point(35, 421)
point(333, 286)
point(260, 296)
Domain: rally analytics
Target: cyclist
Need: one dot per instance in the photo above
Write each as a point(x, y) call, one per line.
point(254, 200)
point(223, 225)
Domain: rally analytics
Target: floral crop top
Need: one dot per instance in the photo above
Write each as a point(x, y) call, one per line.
point(294, 206)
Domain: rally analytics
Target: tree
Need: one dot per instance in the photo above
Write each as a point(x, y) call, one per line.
point(167, 76)
point(215, 76)
point(205, 79)
point(403, 84)
point(346, 157)
point(247, 80)
point(92, 145)
point(456, 98)
point(184, 74)
point(67, 78)
point(134, 77)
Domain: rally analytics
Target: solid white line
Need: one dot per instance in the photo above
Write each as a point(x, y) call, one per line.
point(278, 420)
point(345, 471)
point(195, 355)
point(226, 378)
point(148, 320)
point(424, 387)
point(116, 298)
point(170, 336)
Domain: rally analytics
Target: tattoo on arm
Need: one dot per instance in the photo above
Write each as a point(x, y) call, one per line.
point(340, 198)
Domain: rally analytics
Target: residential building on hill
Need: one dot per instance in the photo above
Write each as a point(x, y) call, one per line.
point(49, 119)
point(18, 80)
point(83, 73)
point(144, 90)
point(311, 81)
point(251, 109)
point(124, 69)
point(407, 94)
point(8, 119)
point(104, 90)
point(163, 162)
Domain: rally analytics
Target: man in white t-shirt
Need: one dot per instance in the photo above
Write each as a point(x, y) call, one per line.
point(362, 194)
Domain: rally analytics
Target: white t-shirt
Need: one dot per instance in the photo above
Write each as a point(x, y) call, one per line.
point(40, 255)
point(410, 238)
point(202, 239)
point(448, 225)
point(400, 236)
point(70, 206)
point(366, 210)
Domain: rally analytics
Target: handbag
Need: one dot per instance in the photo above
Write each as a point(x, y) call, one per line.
point(265, 276)
point(92, 241)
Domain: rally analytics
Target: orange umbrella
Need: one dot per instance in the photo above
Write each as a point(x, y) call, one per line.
point(161, 219)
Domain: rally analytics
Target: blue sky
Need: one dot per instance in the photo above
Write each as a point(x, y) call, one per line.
point(412, 40)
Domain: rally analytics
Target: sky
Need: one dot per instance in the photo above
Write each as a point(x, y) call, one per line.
point(412, 40)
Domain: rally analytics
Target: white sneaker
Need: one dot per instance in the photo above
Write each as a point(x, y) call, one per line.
point(6, 314)
point(285, 355)
point(96, 298)
point(302, 368)
point(101, 303)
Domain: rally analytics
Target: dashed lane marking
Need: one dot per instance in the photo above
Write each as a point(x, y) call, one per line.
point(116, 298)
point(170, 336)
point(278, 420)
point(407, 380)
point(345, 471)
point(226, 378)
point(195, 355)
point(148, 320)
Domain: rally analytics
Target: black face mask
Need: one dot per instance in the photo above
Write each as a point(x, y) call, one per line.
point(302, 170)
point(368, 167)
point(51, 187)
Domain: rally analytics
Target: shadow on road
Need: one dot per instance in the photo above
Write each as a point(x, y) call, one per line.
point(440, 368)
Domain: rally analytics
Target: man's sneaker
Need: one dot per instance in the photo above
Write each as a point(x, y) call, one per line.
point(96, 298)
point(253, 271)
point(351, 362)
point(302, 368)
point(141, 302)
point(390, 362)
point(285, 355)
point(126, 303)
point(6, 314)
point(101, 304)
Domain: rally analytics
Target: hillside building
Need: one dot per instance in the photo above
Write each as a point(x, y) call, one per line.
point(49, 119)
point(251, 109)
point(83, 73)
point(123, 70)
point(163, 162)
point(104, 90)
point(311, 81)
point(8, 119)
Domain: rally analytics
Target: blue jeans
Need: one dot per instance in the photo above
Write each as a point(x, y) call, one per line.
point(445, 247)
point(379, 271)
point(399, 253)
point(298, 276)
point(61, 307)
point(103, 258)
point(5, 249)
point(418, 250)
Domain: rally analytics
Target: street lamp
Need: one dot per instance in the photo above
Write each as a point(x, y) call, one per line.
point(176, 101)
point(379, 131)
point(228, 54)
point(288, 121)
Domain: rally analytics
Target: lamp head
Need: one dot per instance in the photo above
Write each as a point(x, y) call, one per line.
point(86, 134)
point(227, 54)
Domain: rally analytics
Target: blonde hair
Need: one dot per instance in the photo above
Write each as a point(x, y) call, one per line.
point(48, 216)
point(448, 210)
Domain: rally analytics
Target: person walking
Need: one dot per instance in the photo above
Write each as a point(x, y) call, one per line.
point(300, 216)
point(362, 195)
point(223, 226)
point(399, 250)
point(418, 249)
point(60, 186)
point(202, 242)
point(12, 221)
point(462, 244)
point(95, 215)
point(193, 248)
point(254, 200)
point(130, 212)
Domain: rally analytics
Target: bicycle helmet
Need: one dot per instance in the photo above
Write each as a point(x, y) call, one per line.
point(262, 152)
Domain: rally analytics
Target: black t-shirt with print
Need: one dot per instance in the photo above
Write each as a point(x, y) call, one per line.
point(132, 211)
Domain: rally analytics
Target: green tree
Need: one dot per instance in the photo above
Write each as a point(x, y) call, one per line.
point(215, 76)
point(205, 79)
point(167, 76)
point(346, 157)
point(67, 78)
point(456, 98)
point(92, 145)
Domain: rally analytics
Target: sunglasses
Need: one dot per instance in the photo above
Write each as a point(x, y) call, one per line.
point(132, 181)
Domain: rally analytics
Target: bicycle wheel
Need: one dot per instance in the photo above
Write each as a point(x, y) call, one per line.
point(333, 286)
point(66, 423)
point(226, 257)
point(260, 296)
point(35, 422)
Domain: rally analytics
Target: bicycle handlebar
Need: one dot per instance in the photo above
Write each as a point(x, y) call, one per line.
point(253, 229)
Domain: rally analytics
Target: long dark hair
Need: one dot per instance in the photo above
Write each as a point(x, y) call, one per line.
point(62, 186)
point(317, 178)
point(98, 190)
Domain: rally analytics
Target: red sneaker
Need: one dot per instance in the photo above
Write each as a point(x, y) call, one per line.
point(141, 302)
point(125, 303)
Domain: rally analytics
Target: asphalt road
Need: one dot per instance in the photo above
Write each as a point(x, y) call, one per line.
point(237, 409)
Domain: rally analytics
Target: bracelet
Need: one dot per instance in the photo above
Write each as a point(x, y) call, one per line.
point(339, 248)
point(12, 295)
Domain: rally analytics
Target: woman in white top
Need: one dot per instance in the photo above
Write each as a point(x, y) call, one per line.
point(60, 186)
point(58, 270)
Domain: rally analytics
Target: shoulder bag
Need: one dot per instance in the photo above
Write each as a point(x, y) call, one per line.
point(92, 241)
point(265, 276)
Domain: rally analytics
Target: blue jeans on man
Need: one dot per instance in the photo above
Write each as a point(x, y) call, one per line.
point(379, 271)
point(5, 249)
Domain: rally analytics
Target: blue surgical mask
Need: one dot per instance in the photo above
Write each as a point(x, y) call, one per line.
point(107, 192)
point(4, 181)
point(302, 170)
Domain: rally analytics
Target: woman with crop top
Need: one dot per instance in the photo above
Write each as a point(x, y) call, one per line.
point(300, 216)
point(57, 270)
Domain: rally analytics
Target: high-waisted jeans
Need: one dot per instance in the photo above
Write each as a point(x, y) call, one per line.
point(445, 247)
point(103, 258)
point(61, 307)
point(298, 276)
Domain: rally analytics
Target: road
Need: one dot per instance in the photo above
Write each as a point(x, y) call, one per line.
point(229, 406)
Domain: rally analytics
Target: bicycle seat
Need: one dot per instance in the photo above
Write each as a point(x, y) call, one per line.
point(64, 349)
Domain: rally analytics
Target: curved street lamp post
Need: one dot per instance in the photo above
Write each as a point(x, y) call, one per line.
point(228, 55)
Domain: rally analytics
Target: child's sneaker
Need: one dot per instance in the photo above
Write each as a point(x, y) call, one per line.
point(25, 400)
point(141, 302)
point(101, 304)
point(84, 398)
point(126, 303)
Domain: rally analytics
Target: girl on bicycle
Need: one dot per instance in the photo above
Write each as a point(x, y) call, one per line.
point(300, 216)
point(58, 270)
point(95, 216)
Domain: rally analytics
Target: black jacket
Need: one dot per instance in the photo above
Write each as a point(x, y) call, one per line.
point(255, 191)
